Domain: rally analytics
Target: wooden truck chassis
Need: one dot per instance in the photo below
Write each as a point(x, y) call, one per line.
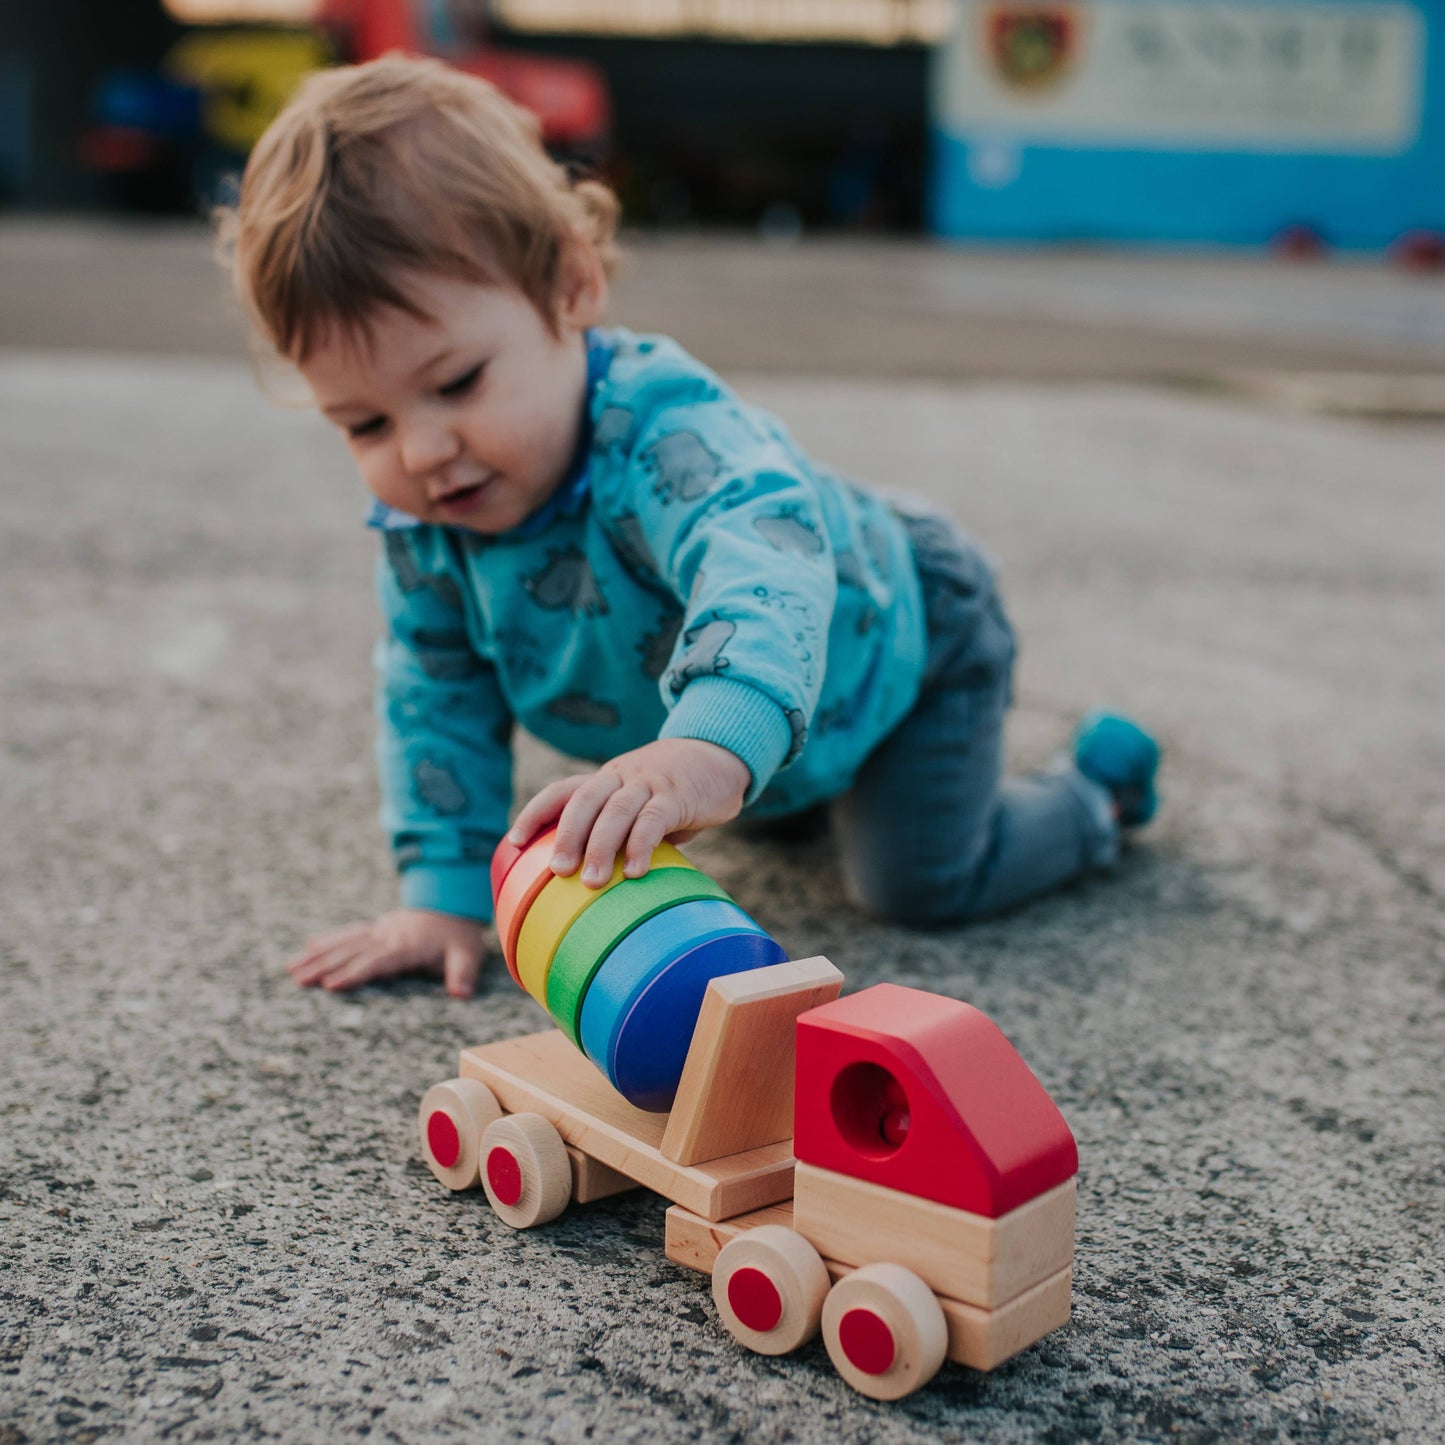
point(535, 1123)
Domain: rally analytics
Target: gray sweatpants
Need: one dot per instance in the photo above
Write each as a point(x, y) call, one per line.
point(932, 832)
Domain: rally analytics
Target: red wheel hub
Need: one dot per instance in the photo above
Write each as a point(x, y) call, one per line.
point(443, 1140)
point(755, 1299)
point(504, 1174)
point(867, 1341)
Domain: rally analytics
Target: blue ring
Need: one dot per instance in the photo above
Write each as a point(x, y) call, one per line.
point(639, 1014)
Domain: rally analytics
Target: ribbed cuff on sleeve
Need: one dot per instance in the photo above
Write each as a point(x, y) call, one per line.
point(461, 888)
point(737, 717)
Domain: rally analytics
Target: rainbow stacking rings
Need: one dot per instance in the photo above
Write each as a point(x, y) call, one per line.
point(622, 968)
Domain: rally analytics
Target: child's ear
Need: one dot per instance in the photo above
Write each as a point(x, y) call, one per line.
point(582, 297)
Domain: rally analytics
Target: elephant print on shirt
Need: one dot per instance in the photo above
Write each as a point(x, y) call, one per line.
point(703, 658)
point(445, 656)
point(798, 726)
point(613, 428)
point(566, 583)
point(850, 570)
point(684, 470)
point(656, 647)
point(437, 786)
point(401, 556)
point(629, 542)
point(583, 710)
point(787, 531)
point(403, 562)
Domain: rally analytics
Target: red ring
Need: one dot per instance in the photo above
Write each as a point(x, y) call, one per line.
point(754, 1299)
point(443, 1139)
point(504, 1174)
point(867, 1341)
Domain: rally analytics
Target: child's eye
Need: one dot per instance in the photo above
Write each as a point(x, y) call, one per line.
point(461, 384)
point(369, 427)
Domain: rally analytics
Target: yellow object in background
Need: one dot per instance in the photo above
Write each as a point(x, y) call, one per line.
point(245, 76)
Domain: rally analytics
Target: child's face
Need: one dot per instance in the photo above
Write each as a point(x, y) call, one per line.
point(470, 420)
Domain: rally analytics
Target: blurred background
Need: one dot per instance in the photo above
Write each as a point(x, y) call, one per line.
point(1268, 122)
point(1084, 273)
point(1124, 183)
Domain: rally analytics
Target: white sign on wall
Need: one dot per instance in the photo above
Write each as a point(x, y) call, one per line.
point(1306, 75)
point(244, 12)
point(876, 22)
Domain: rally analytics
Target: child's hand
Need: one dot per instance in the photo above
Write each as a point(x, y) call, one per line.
point(673, 789)
point(409, 940)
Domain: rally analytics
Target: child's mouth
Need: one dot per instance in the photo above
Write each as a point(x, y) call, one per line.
point(464, 499)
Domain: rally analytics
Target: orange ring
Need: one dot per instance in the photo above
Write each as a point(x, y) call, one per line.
point(507, 853)
point(526, 878)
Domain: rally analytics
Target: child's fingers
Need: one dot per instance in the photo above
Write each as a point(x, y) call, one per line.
point(610, 831)
point(370, 963)
point(574, 827)
point(654, 821)
point(323, 942)
point(313, 969)
point(460, 968)
point(333, 965)
point(542, 809)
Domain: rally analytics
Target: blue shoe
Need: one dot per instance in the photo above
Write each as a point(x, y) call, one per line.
point(1120, 756)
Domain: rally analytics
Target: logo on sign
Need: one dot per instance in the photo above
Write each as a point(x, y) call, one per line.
point(1032, 46)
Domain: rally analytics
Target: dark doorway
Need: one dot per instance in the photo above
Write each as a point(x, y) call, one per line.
point(825, 136)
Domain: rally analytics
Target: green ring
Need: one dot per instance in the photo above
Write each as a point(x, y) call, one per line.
point(603, 924)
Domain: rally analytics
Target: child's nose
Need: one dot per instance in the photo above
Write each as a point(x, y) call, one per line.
point(426, 446)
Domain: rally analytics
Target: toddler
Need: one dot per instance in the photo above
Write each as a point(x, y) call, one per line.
point(585, 532)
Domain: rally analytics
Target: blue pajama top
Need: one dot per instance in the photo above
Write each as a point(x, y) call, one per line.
point(695, 576)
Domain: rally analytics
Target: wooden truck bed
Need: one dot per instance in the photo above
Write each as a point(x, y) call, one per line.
point(545, 1074)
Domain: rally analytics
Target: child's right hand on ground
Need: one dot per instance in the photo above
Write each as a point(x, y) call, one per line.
point(406, 941)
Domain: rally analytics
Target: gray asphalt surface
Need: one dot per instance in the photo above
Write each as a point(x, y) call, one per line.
point(214, 1220)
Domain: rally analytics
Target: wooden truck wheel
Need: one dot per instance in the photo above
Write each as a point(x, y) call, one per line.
point(525, 1170)
point(452, 1119)
point(769, 1285)
point(885, 1331)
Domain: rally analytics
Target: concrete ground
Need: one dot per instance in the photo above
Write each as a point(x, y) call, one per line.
point(214, 1221)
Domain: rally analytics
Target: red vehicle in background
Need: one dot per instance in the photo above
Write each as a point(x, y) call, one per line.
point(172, 137)
point(569, 97)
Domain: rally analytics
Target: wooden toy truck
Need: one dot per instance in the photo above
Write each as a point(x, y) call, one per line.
point(883, 1167)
